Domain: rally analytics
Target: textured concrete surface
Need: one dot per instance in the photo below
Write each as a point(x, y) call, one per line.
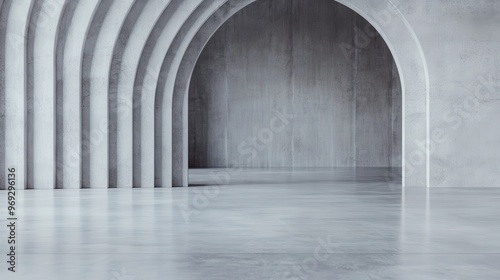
point(308, 224)
point(404, 44)
point(73, 151)
point(125, 64)
point(291, 59)
point(15, 89)
point(464, 71)
point(181, 88)
point(3, 23)
point(146, 101)
point(42, 37)
point(175, 113)
point(445, 51)
point(99, 97)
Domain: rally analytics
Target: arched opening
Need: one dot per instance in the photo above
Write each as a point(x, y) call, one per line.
point(384, 16)
point(298, 86)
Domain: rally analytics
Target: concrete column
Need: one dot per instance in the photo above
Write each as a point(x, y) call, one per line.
point(72, 93)
point(44, 28)
point(4, 14)
point(120, 158)
point(126, 62)
point(151, 61)
point(176, 105)
point(195, 48)
point(98, 100)
point(67, 14)
point(15, 89)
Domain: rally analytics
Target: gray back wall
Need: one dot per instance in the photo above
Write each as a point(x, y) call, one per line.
point(281, 57)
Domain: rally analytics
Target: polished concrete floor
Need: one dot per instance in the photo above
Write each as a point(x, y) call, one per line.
point(257, 224)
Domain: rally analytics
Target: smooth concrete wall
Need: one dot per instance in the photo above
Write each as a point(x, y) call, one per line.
point(284, 57)
point(461, 42)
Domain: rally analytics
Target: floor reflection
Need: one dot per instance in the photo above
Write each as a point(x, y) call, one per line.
point(260, 224)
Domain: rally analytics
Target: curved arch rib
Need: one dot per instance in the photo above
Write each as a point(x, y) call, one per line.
point(71, 92)
point(44, 26)
point(15, 89)
point(125, 63)
point(165, 90)
point(146, 80)
point(4, 9)
point(97, 63)
point(183, 78)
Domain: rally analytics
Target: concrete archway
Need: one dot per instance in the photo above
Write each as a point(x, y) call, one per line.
point(384, 16)
point(113, 69)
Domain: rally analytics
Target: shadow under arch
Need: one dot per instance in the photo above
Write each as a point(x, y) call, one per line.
point(407, 53)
